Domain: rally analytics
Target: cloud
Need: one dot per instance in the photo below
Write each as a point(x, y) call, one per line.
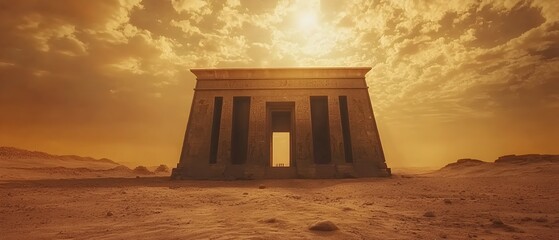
point(78, 71)
point(199, 7)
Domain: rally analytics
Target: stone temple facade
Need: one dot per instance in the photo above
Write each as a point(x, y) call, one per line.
point(254, 123)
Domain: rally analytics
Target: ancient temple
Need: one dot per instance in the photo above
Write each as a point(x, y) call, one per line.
point(253, 123)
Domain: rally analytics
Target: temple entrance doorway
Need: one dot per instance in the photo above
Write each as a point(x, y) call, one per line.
point(281, 133)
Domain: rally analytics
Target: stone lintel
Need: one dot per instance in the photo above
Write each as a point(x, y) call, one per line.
point(281, 73)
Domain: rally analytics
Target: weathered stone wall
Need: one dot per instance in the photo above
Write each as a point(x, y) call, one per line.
point(368, 159)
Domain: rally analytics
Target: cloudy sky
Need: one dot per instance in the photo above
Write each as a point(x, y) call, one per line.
point(450, 79)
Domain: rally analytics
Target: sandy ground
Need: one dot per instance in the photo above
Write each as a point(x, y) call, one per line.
point(521, 206)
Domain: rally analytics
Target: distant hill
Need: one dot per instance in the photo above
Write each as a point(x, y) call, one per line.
point(528, 158)
point(19, 158)
point(20, 164)
point(508, 165)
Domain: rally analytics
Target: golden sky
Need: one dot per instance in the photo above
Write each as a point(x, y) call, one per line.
point(450, 79)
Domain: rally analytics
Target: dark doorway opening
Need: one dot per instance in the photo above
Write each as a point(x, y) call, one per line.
point(239, 132)
point(320, 129)
point(344, 117)
point(216, 123)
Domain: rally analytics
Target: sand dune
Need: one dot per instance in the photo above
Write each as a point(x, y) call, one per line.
point(510, 165)
point(19, 164)
point(19, 158)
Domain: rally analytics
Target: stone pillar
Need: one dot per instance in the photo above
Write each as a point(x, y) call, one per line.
point(303, 151)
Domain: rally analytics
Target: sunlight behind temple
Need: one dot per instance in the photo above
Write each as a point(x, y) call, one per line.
point(280, 149)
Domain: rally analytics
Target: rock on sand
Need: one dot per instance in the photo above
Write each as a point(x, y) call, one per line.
point(323, 225)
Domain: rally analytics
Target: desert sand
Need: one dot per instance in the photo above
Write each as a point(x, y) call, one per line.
point(467, 200)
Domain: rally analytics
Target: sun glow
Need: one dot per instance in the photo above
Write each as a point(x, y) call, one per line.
point(307, 21)
point(310, 36)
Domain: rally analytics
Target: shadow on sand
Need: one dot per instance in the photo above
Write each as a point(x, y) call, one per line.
point(167, 182)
